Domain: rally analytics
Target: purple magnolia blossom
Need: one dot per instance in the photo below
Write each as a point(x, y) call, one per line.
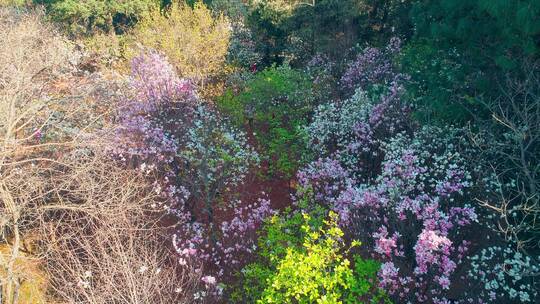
point(413, 205)
point(188, 151)
point(232, 243)
point(155, 86)
point(155, 82)
point(373, 66)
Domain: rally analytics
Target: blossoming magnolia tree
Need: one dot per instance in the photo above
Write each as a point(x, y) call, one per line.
point(352, 131)
point(373, 66)
point(412, 214)
point(409, 194)
point(195, 159)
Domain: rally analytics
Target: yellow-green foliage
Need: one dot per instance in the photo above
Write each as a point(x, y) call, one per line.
point(193, 39)
point(304, 260)
point(32, 279)
point(319, 273)
point(108, 49)
point(14, 2)
point(279, 10)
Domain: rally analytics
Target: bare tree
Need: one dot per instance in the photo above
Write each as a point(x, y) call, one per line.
point(29, 55)
point(104, 242)
point(98, 237)
point(511, 142)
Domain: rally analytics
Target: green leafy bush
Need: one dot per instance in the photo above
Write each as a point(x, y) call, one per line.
point(90, 16)
point(303, 259)
point(274, 104)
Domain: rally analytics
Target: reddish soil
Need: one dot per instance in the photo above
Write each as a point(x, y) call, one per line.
point(278, 189)
point(259, 185)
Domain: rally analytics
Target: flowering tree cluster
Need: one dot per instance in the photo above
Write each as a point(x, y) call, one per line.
point(223, 248)
point(407, 193)
point(352, 131)
point(412, 215)
point(511, 276)
point(195, 160)
point(152, 122)
point(419, 200)
point(214, 158)
point(373, 66)
point(324, 74)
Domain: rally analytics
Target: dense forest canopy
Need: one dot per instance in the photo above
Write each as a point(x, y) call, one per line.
point(270, 151)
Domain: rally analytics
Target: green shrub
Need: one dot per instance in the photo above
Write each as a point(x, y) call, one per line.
point(274, 103)
point(303, 259)
point(90, 16)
